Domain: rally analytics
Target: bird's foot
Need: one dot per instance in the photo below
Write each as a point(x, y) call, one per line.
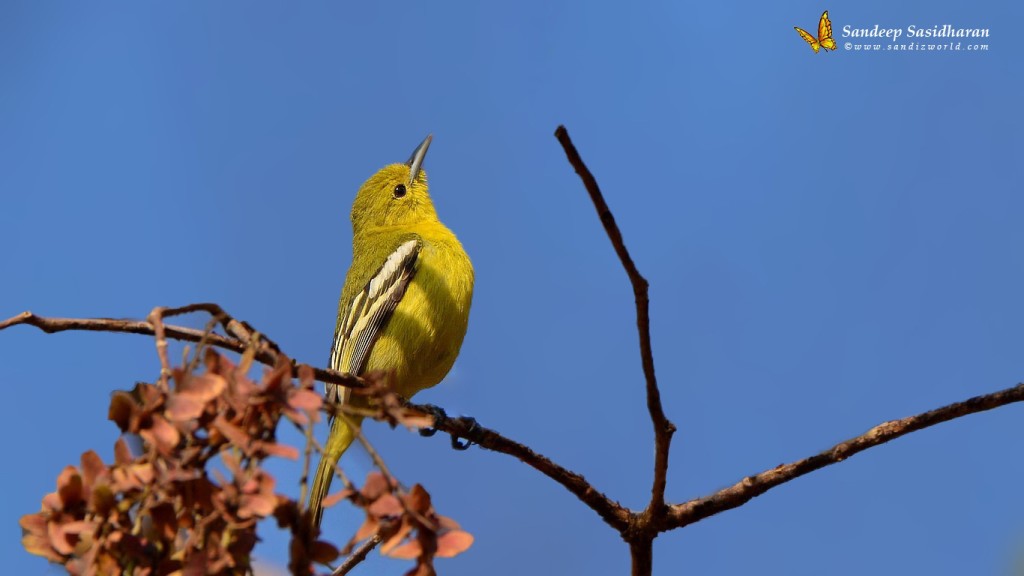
point(472, 425)
point(439, 416)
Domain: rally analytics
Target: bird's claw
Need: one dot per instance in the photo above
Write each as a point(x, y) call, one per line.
point(456, 443)
point(439, 415)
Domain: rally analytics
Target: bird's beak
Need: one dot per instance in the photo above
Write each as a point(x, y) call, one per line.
point(415, 162)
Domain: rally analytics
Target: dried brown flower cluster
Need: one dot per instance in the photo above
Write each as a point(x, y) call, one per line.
point(406, 523)
point(190, 502)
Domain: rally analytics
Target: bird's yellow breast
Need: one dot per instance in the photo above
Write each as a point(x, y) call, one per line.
point(425, 332)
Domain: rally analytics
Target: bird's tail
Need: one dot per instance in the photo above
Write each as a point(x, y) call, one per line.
point(338, 441)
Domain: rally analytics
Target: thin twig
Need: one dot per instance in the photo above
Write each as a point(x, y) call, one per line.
point(663, 428)
point(156, 320)
point(266, 356)
point(338, 472)
point(752, 486)
point(357, 431)
point(307, 458)
point(357, 556)
point(207, 331)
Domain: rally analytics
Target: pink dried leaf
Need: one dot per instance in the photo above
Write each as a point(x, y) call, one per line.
point(57, 538)
point(69, 486)
point(391, 543)
point(52, 502)
point(374, 486)
point(122, 406)
point(250, 485)
point(206, 387)
point(281, 450)
point(122, 453)
point(407, 551)
point(257, 505)
point(418, 499)
point(447, 523)
point(92, 468)
point(33, 524)
point(385, 506)
point(143, 472)
point(183, 407)
point(307, 400)
point(308, 403)
point(78, 527)
point(453, 543)
point(161, 434)
point(233, 433)
point(367, 529)
point(338, 496)
point(40, 546)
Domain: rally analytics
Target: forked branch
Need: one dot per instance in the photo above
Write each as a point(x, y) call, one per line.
point(663, 428)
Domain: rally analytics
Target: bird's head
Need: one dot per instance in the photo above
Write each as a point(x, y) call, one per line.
point(395, 196)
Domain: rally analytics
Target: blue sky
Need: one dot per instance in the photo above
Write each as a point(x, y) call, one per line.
point(832, 241)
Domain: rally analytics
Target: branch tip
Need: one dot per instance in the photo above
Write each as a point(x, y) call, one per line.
point(752, 486)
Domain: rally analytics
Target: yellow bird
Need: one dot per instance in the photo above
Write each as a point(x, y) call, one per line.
point(405, 304)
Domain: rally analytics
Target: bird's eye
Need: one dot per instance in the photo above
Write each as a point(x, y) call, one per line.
point(399, 191)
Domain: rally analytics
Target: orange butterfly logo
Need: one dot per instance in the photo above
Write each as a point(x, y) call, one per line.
point(824, 39)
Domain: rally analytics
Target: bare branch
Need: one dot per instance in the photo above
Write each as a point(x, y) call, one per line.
point(357, 556)
point(267, 355)
point(616, 515)
point(752, 486)
point(663, 428)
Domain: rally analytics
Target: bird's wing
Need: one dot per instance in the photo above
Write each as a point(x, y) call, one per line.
point(367, 313)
